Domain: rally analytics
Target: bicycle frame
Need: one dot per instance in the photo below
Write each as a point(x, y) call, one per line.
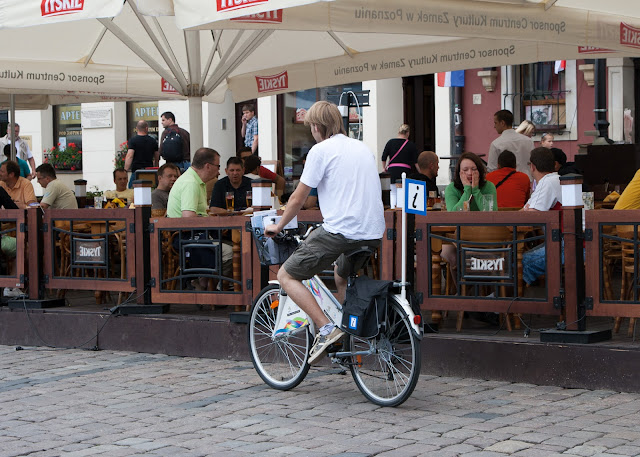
point(290, 319)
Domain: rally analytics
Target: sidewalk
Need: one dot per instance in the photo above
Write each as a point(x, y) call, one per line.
point(83, 403)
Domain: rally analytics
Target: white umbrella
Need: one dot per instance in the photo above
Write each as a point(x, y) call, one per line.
point(313, 43)
point(63, 51)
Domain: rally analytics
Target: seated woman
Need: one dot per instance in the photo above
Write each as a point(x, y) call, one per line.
point(471, 187)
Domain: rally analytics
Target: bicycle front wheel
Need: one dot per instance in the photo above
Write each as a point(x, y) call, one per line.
point(388, 367)
point(280, 362)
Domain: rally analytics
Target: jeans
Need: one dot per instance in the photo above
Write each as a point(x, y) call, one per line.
point(534, 262)
point(183, 166)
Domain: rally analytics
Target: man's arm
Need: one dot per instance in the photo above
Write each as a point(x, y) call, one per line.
point(189, 214)
point(492, 160)
point(254, 146)
point(243, 130)
point(156, 158)
point(128, 159)
point(30, 195)
point(295, 203)
point(44, 205)
point(279, 185)
point(33, 167)
point(216, 210)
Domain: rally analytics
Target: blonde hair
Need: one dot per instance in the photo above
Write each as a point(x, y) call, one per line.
point(526, 128)
point(404, 129)
point(326, 117)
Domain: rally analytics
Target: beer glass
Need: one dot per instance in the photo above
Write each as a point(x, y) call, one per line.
point(229, 199)
point(249, 199)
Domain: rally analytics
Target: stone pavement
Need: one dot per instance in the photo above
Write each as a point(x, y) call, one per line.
point(81, 403)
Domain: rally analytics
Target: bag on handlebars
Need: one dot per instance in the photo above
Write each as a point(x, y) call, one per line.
point(274, 251)
point(365, 306)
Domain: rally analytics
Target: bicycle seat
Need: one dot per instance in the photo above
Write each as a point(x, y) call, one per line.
point(363, 251)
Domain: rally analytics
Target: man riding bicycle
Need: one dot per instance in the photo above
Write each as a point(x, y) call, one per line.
point(345, 173)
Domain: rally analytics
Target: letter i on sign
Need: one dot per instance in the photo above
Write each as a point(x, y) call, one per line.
point(415, 198)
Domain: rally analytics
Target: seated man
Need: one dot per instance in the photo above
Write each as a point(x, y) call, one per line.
point(547, 196)
point(19, 189)
point(513, 187)
point(25, 171)
point(120, 179)
point(234, 182)
point(264, 172)
point(188, 198)
point(427, 166)
point(56, 194)
point(167, 175)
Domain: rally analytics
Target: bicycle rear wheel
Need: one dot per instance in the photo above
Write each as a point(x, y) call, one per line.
point(282, 362)
point(389, 374)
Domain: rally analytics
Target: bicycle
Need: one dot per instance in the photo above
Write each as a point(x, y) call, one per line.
point(385, 368)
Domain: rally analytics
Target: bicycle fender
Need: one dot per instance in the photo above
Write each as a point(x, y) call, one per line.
point(406, 308)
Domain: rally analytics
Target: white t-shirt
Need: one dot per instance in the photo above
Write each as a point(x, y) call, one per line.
point(510, 140)
point(548, 192)
point(346, 175)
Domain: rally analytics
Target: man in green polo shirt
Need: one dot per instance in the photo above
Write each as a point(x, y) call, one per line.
point(188, 198)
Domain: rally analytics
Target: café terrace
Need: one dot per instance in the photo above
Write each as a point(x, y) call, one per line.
point(137, 265)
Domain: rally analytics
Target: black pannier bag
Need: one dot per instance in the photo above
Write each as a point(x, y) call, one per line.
point(365, 306)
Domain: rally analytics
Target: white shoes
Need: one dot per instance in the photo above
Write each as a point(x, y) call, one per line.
point(12, 292)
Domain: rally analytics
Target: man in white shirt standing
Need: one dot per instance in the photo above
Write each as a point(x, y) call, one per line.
point(345, 174)
point(22, 148)
point(547, 196)
point(510, 140)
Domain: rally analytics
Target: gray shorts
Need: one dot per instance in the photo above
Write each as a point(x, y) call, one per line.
point(321, 249)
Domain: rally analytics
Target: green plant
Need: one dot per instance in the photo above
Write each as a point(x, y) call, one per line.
point(91, 194)
point(67, 158)
point(120, 155)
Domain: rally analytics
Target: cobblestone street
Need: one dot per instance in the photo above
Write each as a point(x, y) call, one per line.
point(80, 403)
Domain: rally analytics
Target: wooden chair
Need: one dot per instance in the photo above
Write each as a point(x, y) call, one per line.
point(627, 256)
point(509, 208)
point(470, 237)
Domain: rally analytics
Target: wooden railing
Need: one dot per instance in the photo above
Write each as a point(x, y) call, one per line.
point(13, 230)
point(489, 272)
point(86, 249)
point(612, 246)
point(203, 260)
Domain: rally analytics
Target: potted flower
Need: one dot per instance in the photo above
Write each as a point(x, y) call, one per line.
point(67, 158)
point(120, 155)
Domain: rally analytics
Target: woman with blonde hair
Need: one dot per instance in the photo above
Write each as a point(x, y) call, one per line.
point(527, 128)
point(402, 154)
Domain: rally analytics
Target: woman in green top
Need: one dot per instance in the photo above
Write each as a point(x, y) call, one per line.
point(470, 184)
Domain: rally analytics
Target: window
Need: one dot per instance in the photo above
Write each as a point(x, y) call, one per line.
point(297, 138)
point(142, 111)
point(67, 129)
point(540, 96)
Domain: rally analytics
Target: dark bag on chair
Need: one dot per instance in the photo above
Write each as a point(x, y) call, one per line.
point(365, 306)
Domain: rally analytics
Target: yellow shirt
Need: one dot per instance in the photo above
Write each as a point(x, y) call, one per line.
point(127, 193)
point(630, 198)
point(22, 192)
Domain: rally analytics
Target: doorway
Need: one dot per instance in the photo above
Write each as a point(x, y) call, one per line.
point(419, 110)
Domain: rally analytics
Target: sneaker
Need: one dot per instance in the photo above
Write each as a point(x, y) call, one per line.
point(321, 343)
point(12, 292)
